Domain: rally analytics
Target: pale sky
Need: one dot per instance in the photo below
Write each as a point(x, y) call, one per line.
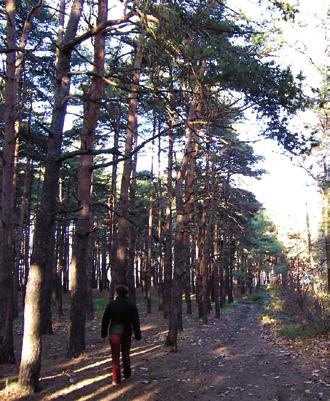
point(287, 191)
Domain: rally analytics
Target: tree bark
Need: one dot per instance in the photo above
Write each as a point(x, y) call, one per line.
point(188, 280)
point(31, 349)
point(172, 335)
point(121, 257)
point(160, 232)
point(6, 229)
point(149, 243)
point(215, 263)
point(132, 241)
point(186, 173)
point(81, 257)
point(113, 205)
point(168, 259)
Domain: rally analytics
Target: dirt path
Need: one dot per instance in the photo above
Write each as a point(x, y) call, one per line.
point(228, 359)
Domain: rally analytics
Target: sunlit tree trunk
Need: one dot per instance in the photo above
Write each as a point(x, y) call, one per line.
point(81, 257)
point(14, 68)
point(31, 349)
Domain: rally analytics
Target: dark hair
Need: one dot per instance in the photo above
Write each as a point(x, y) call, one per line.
point(121, 290)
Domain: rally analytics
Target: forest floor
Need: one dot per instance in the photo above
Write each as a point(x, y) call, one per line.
point(236, 357)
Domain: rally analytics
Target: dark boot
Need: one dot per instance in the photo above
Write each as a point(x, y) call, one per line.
point(127, 372)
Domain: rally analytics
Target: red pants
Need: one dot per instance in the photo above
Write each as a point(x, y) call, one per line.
point(119, 342)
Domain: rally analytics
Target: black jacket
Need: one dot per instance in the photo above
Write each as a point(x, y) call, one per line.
point(121, 311)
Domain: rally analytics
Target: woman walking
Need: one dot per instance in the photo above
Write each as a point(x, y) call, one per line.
point(120, 320)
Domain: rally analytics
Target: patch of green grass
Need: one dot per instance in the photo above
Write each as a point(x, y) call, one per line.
point(195, 318)
point(100, 303)
point(295, 331)
point(223, 312)
point(11, 381)
point(227, 308)
point(142, 302)
point(257, 298)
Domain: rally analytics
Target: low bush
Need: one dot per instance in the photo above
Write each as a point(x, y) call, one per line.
point(100, 303)
point(295, 331)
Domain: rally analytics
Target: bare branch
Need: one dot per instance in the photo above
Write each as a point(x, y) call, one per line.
point(6, 50)
point(95, 30)
point(139, 147)
point(70, 155)
point(126, 218)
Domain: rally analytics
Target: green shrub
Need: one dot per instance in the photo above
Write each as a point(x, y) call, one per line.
point(100, 303)
point(258, 298)
point(295, 331)
point(227, 308)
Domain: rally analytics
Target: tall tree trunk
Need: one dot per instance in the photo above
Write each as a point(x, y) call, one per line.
point(132, 241)
point(121, 257)
point(215, 262)
point(57, 283)
point(113, 204)
point(19, 67)
point(188, 279)
point(1, 176)
point(90, 275)
point(21, 222)
point(208, 209)
point(168, 259)
point(172, 335)
point(183, 215)
point(81, 257)
point(222, 293)
point(26, 262)
point(199, 252)
point(150, 229)
point(65, 274)
point(31, 349)
point(7, 216)
point(137, 263)
point(46, 312)
point(231, 263)
point(160, 231)
point(60, 267)
point(104, 284)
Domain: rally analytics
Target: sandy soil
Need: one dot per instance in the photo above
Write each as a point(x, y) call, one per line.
point(234, 358)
